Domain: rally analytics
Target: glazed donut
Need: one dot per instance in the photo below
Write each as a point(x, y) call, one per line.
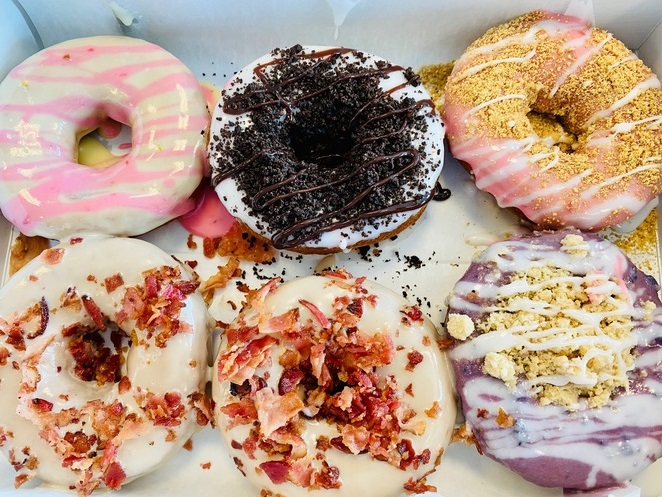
point(557, 120)
point(103, 362)
point(323, 149)
point(557, 351)
point(58, 95)
point(329, 382)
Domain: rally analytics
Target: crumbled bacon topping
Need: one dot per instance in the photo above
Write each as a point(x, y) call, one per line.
point(93, 359)
point(113, 282)
point(219, 280)
point(4, 355)
point(93, 310)
point(330, 372)
point(240, 243)
point(155, 306)
point(166, 410)
point(414, 358)
point(413, 314)
point(52, 256)
point(504, 420)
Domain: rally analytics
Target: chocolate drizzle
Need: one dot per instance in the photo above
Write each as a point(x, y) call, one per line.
point(335, 149)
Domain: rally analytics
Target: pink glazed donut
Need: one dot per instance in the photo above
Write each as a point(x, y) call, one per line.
point(58, 95)
point(557, 120)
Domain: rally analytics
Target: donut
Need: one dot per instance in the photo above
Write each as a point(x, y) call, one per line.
point(103, 363)
point(556, 348)
point(330, 382)
point(557, 120)
point(55, 97)
point(321, 149)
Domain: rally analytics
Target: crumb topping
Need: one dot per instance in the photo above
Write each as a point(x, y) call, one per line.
point(572, 334)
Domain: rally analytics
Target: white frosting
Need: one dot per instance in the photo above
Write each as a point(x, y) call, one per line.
point(52, 99)
point(430, 143)
point(359, 474)
point(179, 367)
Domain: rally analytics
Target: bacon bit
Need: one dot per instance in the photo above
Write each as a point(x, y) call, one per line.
point(114, 476)
point(208, 248)
point(355, 438)
point(205, 465)
point(219, 280)
point(44, 315)
point(52, 256)
point(94, 361)
point(124, 385)
point(113, 282)
point(21, 479)
point(242, 412)
point(434, 411)
point(319, 315)
point(4, 355)
point(166, 410)
point(328, 476)
point(188, 445)
point(42, 405)
point(504, 420)
point(414, 359)
point(275, 411)
point(356, 307)
point(464, 434)
point(419, 486)
point(323, 443)
point(289, 380)
point(413, 313)
point(93, 310)
point(75, 240)
point(409, 390)
point(240, 365)
point(190, 243)
point(482, 413)
point(280, 324)
point(15, 337)
point(444, 343)
point(276, 471)
point(342, 274)
point(79, 441)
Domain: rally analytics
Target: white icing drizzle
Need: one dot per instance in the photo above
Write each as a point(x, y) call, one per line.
point(579, 61)
point(495, 100)
point(646, 166)
point(479, 67)
point(647, 84)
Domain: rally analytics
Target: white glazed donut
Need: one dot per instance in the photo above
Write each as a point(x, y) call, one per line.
point(102, 363)
point(329, 382)
point(65, 91)
point(321, 149)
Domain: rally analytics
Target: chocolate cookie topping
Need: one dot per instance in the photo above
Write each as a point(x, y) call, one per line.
point(319, 145)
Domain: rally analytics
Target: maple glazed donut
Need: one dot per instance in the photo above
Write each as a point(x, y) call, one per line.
point(558, 120)
point(103, 363)
point(330, 382)
point(557, 347)
point(52, 99)
point(321, 149)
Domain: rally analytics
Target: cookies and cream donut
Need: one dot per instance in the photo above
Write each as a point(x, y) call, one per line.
point(556, 348)
point(103, 362)
point(323, 149)
point(48, 102)
point(330, 382)
point(558, 120)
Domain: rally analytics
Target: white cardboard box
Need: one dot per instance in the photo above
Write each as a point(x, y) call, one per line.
point(215, 38)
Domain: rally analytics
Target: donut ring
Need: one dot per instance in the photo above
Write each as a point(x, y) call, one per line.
point(557, 120)
point(52, 99)
point(323, 149)
point(93, 351)
point(557, 353)
point(294, 427)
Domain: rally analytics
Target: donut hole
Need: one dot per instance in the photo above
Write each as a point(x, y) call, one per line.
point(97, 353)
point(322, 145)
point(552, 130)
point(105, 144)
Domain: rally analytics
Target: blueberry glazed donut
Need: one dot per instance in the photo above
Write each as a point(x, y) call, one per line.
point(557, 120)
point(556, 348)
point(323, 149)
point(103, 363)
point(333, 383)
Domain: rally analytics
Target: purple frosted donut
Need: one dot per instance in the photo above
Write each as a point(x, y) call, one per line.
point(557, 352)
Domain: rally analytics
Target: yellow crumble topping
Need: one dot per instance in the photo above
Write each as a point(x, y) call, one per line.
point(561, 358)
point(460, 326)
